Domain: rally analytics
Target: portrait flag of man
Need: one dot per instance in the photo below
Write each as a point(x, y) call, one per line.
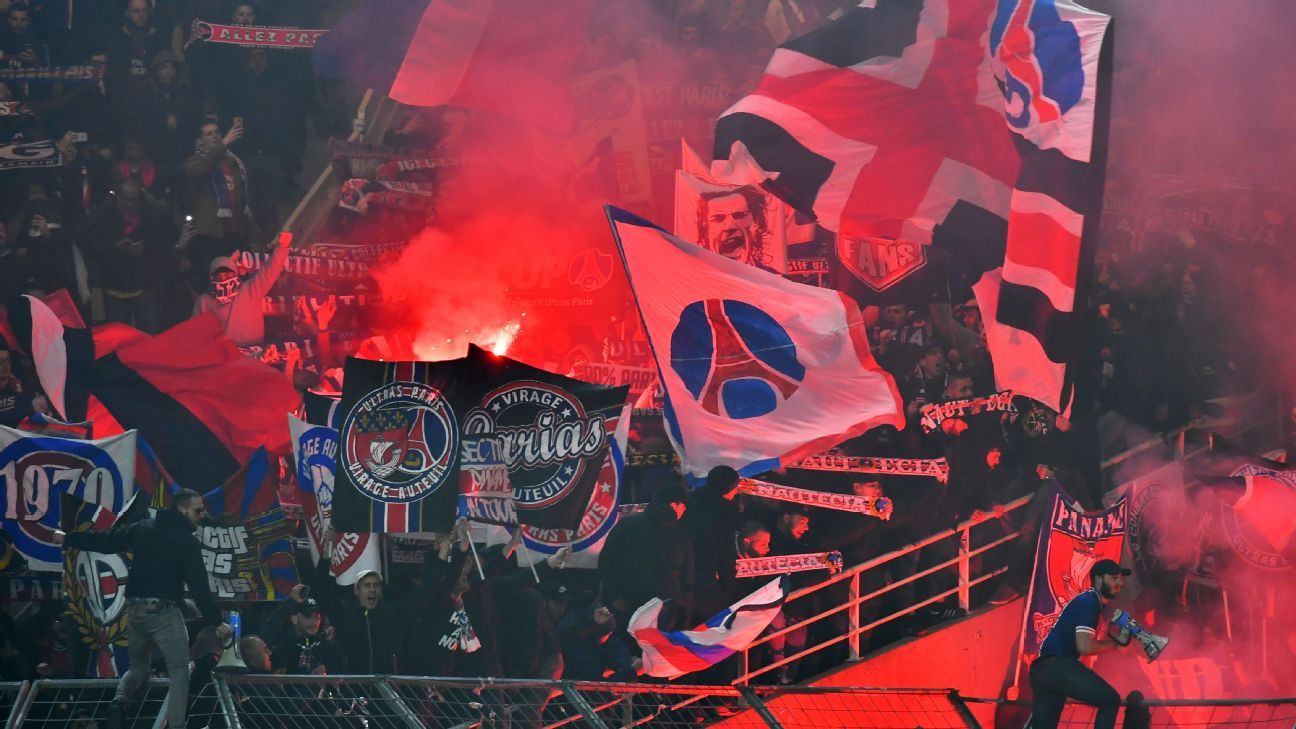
point(757, 371)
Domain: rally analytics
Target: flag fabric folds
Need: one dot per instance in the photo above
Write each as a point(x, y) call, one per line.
point(59, 352)
point(399, 446)
point(757, 370)
point(203, 407)
point(506, 56)
point(315, 455)
point(552, 433)
point(94, 584)
point(248, 547)
point(668, 654)
point(918, 136)
point(35, 470)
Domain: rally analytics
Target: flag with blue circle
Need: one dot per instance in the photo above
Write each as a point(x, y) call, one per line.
point(758, 371)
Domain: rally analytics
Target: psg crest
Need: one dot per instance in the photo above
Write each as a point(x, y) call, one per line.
point(399, 442)
point(543, 435)
point(735, 359)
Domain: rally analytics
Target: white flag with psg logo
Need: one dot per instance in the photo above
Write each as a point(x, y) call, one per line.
point(315, 455)
point(758, 371)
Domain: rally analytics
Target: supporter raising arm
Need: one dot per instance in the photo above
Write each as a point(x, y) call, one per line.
point(237, 303)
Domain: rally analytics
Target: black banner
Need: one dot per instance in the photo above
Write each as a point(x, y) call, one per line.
point(399, 446)
point(552, 433)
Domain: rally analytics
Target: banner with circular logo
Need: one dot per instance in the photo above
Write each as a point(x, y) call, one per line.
point(36, 470)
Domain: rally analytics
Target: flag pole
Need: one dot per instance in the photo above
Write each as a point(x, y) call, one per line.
point(472, 546)
point(530, 560)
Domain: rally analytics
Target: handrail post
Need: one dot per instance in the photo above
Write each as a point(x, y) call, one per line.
point(965, 568)
point(1180, 443)
point(853, 618)
point(746, 666)
point(226, 699)
point(577, 700)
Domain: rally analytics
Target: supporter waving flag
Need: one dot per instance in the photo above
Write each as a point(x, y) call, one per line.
point(672, 653)
point(758, 371)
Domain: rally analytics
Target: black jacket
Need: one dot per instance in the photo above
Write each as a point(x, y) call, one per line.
point(166, 557)
point(369, 638)
point(647, 555)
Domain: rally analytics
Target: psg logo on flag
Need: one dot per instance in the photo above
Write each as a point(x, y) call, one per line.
point(542, 434)
point(734, 359)
point(1043, 71)
point(399, 441)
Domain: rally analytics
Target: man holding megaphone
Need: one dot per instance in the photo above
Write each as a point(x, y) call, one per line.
point(1058, 673)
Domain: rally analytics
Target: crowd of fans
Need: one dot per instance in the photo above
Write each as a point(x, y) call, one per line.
point(183, 154)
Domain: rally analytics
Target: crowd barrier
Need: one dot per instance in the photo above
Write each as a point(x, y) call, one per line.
point(405, 702)
point(1204, 714)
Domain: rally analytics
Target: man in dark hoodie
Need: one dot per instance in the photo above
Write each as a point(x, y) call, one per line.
point(649, 555)
point(714, 513)
point(167, 557)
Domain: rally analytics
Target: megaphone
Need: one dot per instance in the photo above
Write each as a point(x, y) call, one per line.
point(231, 659)
point(1152, 643)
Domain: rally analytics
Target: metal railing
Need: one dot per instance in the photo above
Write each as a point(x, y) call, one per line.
point(1179, 714)
point(962, 562)
point(1171, 446)
point(406, 702)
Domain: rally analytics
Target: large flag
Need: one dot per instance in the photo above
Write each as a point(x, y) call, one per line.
point(203, 407)
point(668, 654)
point(1069, 545)
point(506, 56)
point(248, 547)
point(962, 127)
point(552, 433)
point(94, 584)
point(31, 327)
point(315, 454)
point(35, 470)
point(758, 371)
point(399, 446)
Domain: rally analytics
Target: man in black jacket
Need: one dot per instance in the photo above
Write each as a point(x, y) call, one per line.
point(650, 555)
point(167, 557)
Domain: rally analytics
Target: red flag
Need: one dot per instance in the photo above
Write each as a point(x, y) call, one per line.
point(202, 405)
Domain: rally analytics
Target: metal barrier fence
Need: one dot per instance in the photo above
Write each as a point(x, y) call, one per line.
point(976, 540)
point(1197, 714)
point(403, 702)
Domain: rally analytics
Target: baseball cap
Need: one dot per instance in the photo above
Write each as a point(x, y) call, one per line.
point(220, 262)
point(555, 591)
point(1107, 567)
point(365, 573)
point(309, 606)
